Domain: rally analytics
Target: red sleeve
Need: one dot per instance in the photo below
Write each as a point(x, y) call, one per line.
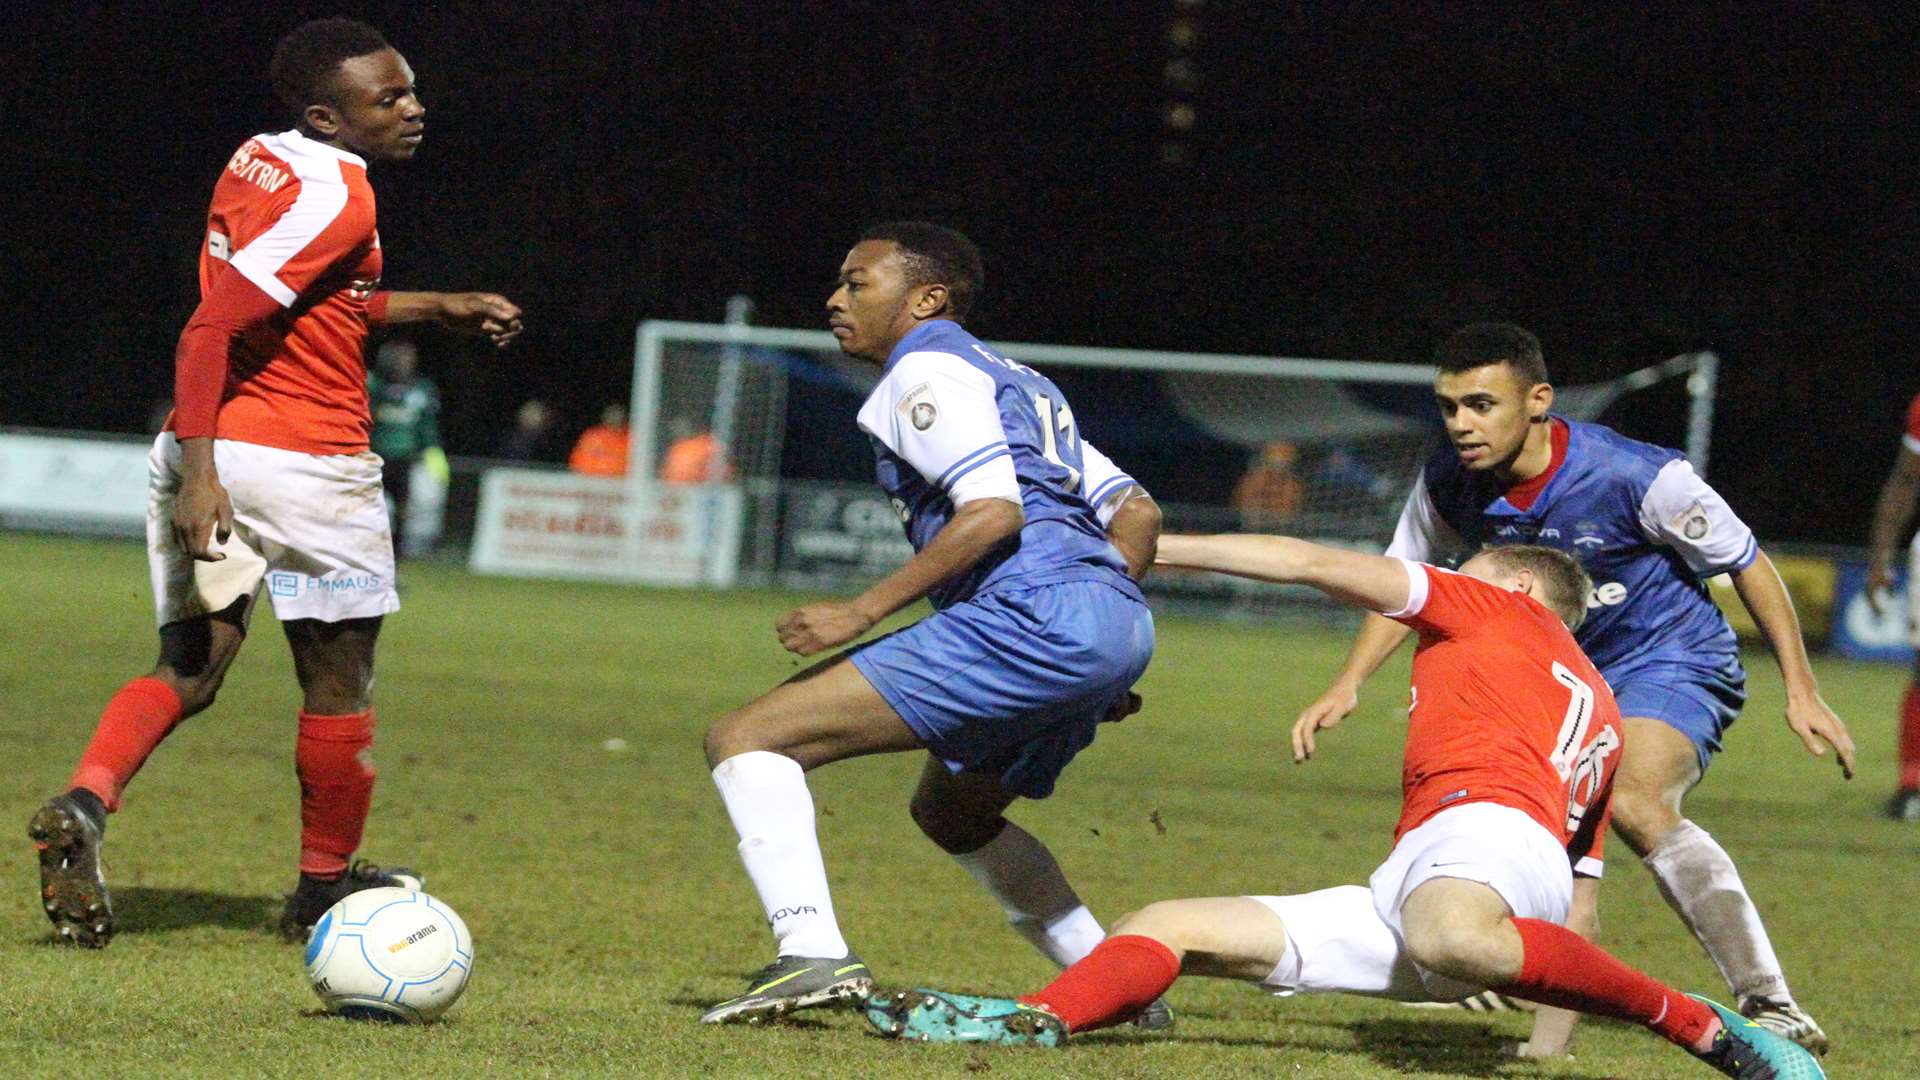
point(200, 362)
point(1447, 604)
point(377, 306)
point(1587, 850)
point(1913, 423)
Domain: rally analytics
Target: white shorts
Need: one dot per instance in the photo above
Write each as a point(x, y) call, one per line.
point(1348, 939)
point(311, 528)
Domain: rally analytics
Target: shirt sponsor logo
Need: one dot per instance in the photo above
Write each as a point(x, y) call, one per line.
point(1608, 594)
point(281, 583)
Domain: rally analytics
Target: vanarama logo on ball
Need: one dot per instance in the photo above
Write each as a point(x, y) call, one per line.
point(411, 938)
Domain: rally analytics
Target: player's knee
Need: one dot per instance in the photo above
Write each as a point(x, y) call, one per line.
point(196, 692)
point(955, 831)
point(1643, 817)
point(1159, 920)
point(739, 732)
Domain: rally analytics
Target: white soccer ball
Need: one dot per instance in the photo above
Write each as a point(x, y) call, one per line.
point(389, 954)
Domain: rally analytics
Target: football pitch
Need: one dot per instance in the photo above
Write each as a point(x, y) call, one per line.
point(608, 907)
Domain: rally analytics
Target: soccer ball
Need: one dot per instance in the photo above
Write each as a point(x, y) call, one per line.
point(389, 954)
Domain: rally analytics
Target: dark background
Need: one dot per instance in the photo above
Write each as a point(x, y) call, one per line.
point(1357, 180)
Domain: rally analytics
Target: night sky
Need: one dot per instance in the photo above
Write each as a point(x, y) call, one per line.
point(1357, 180)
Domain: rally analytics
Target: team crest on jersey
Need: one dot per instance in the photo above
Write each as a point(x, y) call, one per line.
point(1587, 534)
point(918, 406)
point(1693, 522)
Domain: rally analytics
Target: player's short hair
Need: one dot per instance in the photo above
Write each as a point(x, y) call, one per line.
point(937, 255)
point(305, 60)
point(1568, 585)
point(1486, 343)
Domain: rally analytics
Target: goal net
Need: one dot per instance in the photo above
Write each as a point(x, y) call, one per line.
point(1324, 449)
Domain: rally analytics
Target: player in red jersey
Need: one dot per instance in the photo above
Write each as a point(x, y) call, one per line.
point(263, 479)
point(1892, 513)
point(1512, 740)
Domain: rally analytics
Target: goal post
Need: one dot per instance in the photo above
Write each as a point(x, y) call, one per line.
point(1324, 448)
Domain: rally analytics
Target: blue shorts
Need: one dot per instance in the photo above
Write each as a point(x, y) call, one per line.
point(1014, 682)
point(1699, 701)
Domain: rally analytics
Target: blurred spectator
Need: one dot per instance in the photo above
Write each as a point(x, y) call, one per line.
point(406, 427)
point(1270, 495)
point(602, 449)
point(532, 436)
point(692, 455)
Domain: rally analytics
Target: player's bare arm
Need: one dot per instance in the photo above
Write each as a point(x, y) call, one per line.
point(1891, 515)
point(1374, 582)
point(1808, 714)
point(1135, 529)
point(976, 528)
point(1379, 636)
point(481, 314)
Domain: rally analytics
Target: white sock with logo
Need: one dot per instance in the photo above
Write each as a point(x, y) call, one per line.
point(1698, 878)
point(1022, 875)
point(772, 810)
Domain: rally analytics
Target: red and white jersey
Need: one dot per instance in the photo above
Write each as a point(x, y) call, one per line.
point(1911, 437)
point(1506, 709)
point(296, 217)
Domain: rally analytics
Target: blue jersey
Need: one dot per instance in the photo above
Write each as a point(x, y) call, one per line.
point(952, 421)
point(1646, 527)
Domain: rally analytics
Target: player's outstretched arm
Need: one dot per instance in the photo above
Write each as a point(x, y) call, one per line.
point(479, 313)
point(1373, 582)
point(1891, 513)
point(1765, 596)
point(975, 528)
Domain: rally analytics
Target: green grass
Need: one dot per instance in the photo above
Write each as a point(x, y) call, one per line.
point(608, 907)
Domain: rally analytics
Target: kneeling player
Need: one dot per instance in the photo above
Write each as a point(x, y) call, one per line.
point(1511, 744)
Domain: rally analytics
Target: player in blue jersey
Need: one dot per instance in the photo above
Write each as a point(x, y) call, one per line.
point(1650, 532)
point(1028, 542)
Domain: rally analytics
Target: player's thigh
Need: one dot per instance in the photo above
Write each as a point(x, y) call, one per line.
point(1658, 766)
point(960, 811)
point(334, 663)
point(1462, 929)
point(1224, 937)
point(827, 712)
point(186, 591)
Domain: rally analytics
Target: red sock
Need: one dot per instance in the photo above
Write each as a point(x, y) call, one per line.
point(334, 760)
point(133, 723)
point(1562, 968)
point(1112, 984)
point(1910, 739)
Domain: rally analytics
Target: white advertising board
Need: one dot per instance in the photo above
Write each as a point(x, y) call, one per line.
point(80, 485)
point(605, 528)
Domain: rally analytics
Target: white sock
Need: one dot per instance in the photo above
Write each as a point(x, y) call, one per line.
point(1698, 879)
point(772, 810)
point(1022, 875)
